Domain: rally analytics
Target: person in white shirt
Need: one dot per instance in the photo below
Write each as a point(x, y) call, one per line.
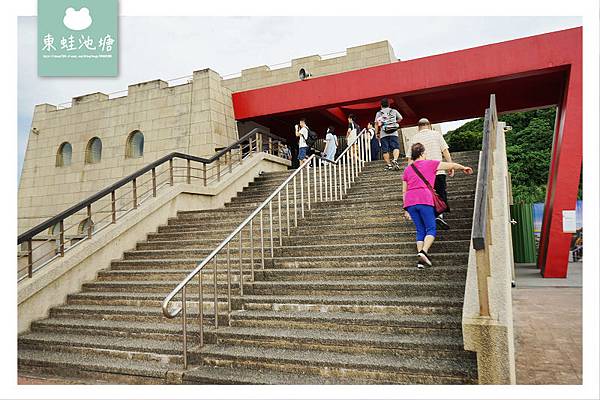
point(436, 148)
point(331, 143)
point(302, 134)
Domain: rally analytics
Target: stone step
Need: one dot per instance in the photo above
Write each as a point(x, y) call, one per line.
point(184, 263)
point(107, 312)
point(123, 301)
point(93, 367)
point(169, 275)
point(355, 287)
point(333, 228)
point(196, 239)
point(361, 183)
point(385, 369)
point(132, 348)
point(397, 218)
point(368, 304)
point(212, 374)
point(371, 260)
point(152, 329)
point(152, 286)
point(406, 274)
point(349, 321)
point(371, 237)
point(460, 209)
point(390, 248)
point(401, 345)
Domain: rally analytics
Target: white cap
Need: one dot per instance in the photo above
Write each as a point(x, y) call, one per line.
point(423, 121)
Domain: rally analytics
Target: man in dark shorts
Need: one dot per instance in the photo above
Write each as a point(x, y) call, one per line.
point(387, 124)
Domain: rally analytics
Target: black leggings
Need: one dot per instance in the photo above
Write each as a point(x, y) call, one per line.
point(440, 188)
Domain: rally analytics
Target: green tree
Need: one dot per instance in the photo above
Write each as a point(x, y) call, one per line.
point(528, 149)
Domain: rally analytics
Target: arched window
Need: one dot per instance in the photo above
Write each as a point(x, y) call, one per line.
point(93, 151)
point(83, 226)
point(54, 229)
point(63, 156)
point(135, 145)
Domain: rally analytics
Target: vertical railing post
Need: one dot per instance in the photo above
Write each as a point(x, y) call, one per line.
point(270, 145)
point(113, 207)
point(184, 324)
point(218, 169)
point(279, 217)
point(215, 295)
point(153, 182)
point(228, 283)
point(189, 171)
point(241, 153)
point(335, 180)
point(252, 249)
point(241, 268)
point(230, 161)
point(308, 185)
point(302, 192)
point(326, 167)
point(204, 173)
point(295, 203)
point(89, 219)
point(321, 181)
point(340, 168)
point(315, 178)
point(287, 206)
point(135, 199)
point(171, 172)
point(201, 308)
point(61, 247)
point(271, 225)
point(30, 258)
point(262, 241)
point(345, 172)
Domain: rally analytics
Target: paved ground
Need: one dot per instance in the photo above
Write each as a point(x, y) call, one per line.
point(528, 275)
point(548, 328)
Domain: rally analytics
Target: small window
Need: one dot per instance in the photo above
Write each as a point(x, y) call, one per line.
point(63, 156)
point(135, 145)
point(93, 152)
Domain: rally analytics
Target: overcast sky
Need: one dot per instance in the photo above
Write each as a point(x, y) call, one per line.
point(171, 47)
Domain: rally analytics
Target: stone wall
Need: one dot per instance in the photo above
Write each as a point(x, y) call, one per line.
point(356, 58)
point(194, 118)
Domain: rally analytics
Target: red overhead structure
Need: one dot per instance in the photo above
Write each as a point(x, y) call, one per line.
point(532, 72)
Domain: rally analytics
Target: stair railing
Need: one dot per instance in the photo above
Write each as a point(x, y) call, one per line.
point(329, 181)
point(54, 237)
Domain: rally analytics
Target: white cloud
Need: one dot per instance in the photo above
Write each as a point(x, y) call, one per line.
point(77, 20)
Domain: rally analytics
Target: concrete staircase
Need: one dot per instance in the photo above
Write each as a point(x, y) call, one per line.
point(340, 302)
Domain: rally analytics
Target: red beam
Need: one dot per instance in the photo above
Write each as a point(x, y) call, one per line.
point(336, 115)
point(503, 60)
point(563, 180)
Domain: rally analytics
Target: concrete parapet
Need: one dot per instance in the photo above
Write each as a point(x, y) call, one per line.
point(492, 338)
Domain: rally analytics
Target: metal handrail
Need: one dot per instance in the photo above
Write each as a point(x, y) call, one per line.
point(347, 165)
point(483, 212)
point(252, 142)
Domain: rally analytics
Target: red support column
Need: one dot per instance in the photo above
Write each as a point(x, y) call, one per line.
point(563, 180)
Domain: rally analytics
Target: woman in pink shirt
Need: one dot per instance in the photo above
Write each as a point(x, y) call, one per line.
point(418, 199)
